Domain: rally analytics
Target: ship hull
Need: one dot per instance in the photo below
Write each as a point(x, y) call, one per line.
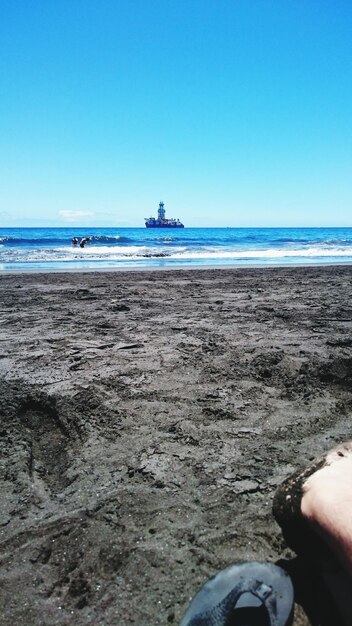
point(164, 226)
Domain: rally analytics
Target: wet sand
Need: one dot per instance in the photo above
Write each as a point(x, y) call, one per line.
point(146, 421)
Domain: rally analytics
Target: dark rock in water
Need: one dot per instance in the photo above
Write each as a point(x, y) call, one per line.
point(158, 255)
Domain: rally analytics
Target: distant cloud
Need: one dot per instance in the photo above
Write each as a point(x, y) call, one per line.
point(73, 216)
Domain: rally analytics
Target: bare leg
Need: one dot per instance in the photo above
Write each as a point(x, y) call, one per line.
point(320, 500)
point(327, 504)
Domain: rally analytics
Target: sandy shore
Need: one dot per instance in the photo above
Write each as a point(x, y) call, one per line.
point(146, 420)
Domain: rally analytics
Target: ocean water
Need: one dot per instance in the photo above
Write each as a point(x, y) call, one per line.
point(114, 248)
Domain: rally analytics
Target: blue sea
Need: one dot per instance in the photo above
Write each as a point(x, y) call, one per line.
point(120, 248)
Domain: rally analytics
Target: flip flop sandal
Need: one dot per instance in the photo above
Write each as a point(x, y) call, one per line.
point(287, 507)
point(245, 594)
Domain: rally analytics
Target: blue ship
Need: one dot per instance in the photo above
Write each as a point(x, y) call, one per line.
point(161, 221)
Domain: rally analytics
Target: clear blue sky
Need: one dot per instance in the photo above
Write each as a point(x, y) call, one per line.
point(234, 112)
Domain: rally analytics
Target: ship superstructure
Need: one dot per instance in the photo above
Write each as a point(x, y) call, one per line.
point(161, 221)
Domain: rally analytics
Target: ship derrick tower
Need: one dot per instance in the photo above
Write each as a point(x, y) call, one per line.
point(161, 211)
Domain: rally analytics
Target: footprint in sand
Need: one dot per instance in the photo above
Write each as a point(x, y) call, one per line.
point(47, 441)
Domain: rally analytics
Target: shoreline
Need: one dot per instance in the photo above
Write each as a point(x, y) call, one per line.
point(147, 420)
point(175, 268)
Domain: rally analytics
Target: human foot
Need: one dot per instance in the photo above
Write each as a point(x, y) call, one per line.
point(255, 594)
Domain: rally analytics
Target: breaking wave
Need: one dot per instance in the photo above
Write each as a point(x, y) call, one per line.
point(52, 248)
point(101, 253)
point(97, 239)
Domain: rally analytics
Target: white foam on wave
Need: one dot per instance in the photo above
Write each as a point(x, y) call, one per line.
point(104, 252)
point(271, 253)
point(89, 253)
point(90, 249)
point(130, 253)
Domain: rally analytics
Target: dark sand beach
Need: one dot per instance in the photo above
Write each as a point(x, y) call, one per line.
point(146, 421)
